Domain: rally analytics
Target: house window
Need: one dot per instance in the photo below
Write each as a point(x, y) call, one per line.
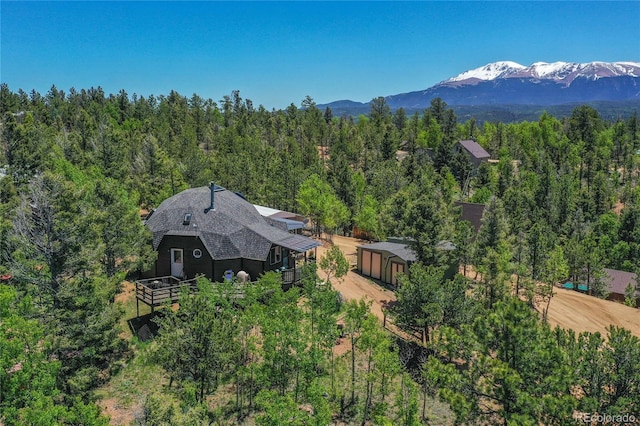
point(197, 253)
point(275, 255)
point(187, 219)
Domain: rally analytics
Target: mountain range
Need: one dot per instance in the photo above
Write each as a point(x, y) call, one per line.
point(509, 86)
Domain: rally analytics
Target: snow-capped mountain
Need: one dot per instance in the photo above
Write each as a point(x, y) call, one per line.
point(541, 83)
point(491, 71)
point(509, 83)
point(561, 72)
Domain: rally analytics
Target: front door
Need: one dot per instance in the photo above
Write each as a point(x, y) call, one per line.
point(177, 262)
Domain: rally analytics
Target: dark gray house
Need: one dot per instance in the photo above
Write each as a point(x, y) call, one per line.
point(214, 232)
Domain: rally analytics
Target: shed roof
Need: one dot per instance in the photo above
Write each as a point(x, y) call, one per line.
point(233, 229)
point(279, 214)
point(282, 219)
point(619, 280)
point(474, 148)
point(403, 251)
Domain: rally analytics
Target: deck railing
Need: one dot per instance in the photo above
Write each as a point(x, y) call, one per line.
point(291, 276)
point(158, 291)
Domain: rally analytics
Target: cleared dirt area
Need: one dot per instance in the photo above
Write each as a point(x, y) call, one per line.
point(118, 415)
point(580, 312)
point(354, 286)
point(569, 309)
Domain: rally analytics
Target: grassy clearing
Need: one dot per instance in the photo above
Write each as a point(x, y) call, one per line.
point(126, 392)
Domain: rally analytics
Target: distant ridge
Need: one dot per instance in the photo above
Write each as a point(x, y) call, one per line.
point(612, 86)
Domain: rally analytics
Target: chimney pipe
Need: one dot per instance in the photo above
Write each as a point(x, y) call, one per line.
point(211, 205)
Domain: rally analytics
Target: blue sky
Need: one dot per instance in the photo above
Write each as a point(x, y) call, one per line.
point(277, 53)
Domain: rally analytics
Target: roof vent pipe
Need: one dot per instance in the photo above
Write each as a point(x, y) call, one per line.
point(212, 187)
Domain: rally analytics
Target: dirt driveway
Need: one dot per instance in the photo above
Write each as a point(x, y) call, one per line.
point(580, 312)
point(354, 286)
point(569, 309)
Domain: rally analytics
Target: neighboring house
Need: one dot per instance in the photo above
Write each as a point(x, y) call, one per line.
point(477, 154)
point(422, 155)
point(617, 283)
point(472, 213)
point(214, 232)
point(385, 260)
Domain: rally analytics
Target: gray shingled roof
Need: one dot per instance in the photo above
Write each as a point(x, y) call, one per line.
point(234, 229)
point(403, 251)
point(475, 149)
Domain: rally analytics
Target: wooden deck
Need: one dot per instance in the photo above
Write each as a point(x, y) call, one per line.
point(158, 291)
point(291, 277)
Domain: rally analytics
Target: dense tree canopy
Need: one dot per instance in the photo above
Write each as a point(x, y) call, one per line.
point(562, 201)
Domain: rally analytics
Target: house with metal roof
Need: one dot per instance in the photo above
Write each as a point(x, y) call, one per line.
point(616, 283)
point(214, 232)
point(477, 154)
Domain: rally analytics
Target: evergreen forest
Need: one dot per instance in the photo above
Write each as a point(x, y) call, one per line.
point(77, 168)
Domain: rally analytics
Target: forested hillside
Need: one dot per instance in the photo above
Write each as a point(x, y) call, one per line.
point(562, 201)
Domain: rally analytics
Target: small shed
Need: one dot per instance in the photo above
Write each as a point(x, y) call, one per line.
point(385, 260)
